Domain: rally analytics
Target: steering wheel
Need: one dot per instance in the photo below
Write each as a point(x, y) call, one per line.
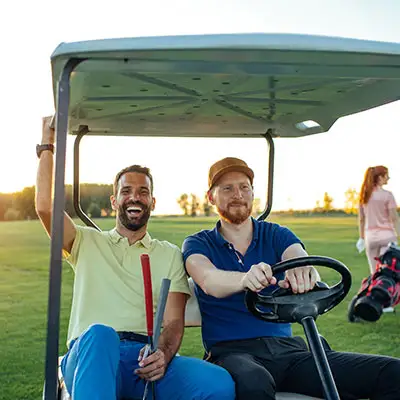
point(282, 305)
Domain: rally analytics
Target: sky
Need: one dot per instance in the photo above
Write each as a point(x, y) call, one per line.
point(305, 168)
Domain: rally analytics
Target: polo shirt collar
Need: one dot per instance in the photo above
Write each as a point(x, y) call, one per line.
point(256, 229)
point(146, 240)
point(116, 237)
point(221, 241)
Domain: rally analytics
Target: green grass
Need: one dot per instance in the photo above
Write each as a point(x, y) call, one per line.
point(24, 259)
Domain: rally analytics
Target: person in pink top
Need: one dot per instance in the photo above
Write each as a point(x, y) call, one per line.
point(378, 218)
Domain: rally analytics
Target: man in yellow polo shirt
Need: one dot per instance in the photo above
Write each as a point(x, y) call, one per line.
point(107, 323)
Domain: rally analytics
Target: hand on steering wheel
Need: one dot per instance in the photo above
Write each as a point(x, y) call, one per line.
point(258, 277)
point(300, 280)
point(282, 305)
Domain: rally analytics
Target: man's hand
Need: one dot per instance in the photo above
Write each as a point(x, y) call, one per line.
point(300, 280)
point(258, 277)
point(152, 367)
point(48, 134)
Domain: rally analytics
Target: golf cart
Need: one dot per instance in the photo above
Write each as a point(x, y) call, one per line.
point(226, 86)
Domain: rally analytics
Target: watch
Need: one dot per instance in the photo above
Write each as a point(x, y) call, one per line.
point(42, 147)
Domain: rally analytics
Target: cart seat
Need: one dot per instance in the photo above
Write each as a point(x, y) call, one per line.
point(63, 394)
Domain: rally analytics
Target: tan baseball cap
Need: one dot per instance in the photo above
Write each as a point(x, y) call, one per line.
point(228, 164)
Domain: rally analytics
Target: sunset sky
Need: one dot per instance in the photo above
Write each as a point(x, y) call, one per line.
point(305, 168)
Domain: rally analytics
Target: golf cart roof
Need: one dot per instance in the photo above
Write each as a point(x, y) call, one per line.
point(231, 85)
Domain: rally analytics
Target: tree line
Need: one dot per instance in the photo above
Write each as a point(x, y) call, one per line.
point(193, 205)
point(95, 201)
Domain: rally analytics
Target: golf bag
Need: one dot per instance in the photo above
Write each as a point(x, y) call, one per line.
point(380, 290)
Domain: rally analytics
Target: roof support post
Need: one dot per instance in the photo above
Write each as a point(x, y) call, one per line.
point(271, 160)
point(57, 233)
point(83, 130)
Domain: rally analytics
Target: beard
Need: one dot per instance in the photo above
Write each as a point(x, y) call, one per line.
point(235, 215)
point(133, 222)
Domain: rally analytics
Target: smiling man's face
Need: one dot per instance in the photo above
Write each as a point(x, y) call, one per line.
point(133, 201)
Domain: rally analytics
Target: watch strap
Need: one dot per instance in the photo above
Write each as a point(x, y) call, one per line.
point(40, 148)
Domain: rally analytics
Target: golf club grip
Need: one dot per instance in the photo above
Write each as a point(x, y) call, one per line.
point(148, 292)
point(162, 302)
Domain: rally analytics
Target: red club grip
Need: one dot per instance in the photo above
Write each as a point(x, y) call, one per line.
point(148, 292)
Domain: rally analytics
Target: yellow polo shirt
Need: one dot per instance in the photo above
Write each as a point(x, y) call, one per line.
point(108, 286)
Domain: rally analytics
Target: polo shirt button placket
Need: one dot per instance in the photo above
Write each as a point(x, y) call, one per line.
point(126, 258)
point(237, 256)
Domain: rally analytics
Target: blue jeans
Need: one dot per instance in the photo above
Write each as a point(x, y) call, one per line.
point(98, 366)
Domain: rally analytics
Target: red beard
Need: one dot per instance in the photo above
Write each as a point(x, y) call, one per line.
point(235, 215)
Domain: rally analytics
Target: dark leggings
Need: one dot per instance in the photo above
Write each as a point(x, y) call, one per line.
point(260, 367)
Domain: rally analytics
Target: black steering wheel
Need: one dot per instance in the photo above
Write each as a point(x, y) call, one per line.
point(282, 305)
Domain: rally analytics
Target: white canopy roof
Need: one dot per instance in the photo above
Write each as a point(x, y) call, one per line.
point(236, 85)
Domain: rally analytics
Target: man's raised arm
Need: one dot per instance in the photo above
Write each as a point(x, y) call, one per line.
point(44, 184)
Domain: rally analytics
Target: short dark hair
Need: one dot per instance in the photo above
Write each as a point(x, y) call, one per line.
point(133, 168)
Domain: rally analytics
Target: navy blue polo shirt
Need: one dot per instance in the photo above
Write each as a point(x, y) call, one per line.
point(228, 318)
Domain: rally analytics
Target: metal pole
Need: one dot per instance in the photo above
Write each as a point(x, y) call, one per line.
point(320, 359)
point(76, 187)
point(57, 234)
point(271, 160)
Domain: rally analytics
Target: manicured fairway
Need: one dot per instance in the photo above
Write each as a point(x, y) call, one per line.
point(24, 258)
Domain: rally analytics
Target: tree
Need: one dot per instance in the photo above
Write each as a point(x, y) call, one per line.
point(89, 193)
point(194, 205)
point(206, 206)
point(5, 204)
point(11, 215)
point(24, 203)
point(94, 211)
point(183, 202)
point(317, 207)
point(327, 203)
point(95, 193)
point(352, 200)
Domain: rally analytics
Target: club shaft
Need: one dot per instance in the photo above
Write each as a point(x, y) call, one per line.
point(162, 302)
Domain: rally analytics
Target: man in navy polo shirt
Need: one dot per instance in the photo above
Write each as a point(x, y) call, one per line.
point(235, 256)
